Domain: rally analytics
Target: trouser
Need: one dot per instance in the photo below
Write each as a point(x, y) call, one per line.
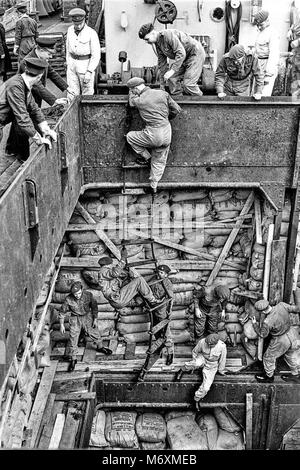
point(158, 316)
point(268, 87)
point(209, 370)
point(76, 86)
point(280, 346)
point(133, 288)
point(26, 45)
point(189, 73)
point(158, 139)
point(295, 75)
point(77, 324)
point(207, 323)
point(17, 142)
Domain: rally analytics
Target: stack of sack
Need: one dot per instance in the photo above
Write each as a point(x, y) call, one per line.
point(249, 337)
point(176, 430)
point(254, 282)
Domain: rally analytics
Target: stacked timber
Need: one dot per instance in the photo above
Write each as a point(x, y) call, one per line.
point(176, 430)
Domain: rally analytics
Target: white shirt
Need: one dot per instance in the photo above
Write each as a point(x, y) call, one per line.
point(267, 45)
point(86, 42)
point(216, 354)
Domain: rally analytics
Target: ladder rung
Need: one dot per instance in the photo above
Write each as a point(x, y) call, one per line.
point(151, 309)
point(140, 263)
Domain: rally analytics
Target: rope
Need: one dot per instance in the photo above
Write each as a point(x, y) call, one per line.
point(232, 30)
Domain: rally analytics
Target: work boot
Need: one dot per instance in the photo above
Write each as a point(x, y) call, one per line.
point(264, 378)
point(291, 378)
point(72, 365)
point(142, 161)
point(178, 375)
point(105, 351)
point(169, 359)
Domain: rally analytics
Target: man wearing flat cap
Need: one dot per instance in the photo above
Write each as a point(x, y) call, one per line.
point(83, 310)
point(234, 73)
point(82, 55)
point(18, 106)
point(188, 56)
point(267, 50)
point(5, 62)
point(284, 339)
point(26, 32)
point(210, 355)
point(152, 144)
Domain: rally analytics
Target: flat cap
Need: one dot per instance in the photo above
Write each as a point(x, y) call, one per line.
point(212, 339)
point(222, 292)
point(21, 6)
point(34, 65)
point(145, 29)
point(46, 41)
point(105, 260)
point(2, 11)
point(164, 268)
point(135, 81)
point(261, 16)
point(77, 14)
point(237, 51)
point(76, 286)
point(261, 305)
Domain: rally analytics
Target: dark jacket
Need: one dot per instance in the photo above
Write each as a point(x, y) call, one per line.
point(17, 103)
point(79, 307)
point(39, 91)
point(6, 62)
point(25, 27)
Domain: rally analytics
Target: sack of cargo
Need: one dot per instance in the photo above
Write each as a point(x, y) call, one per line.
point(88, 249)
point(231, 283)
point(241, 262)
point(161, 197)
point(196, 239)
point(208, 424)
point(256, 274)
point(117, 198)
point(91, 277)
point(243, 280)
point(225, 420)
point(243, 317)
point(141, 337)
point(231, 204)
point(232, 317)
point(151, 427)
point(104, 307)
point(178, 324)
point(120, 429)
point(59, 297)
point(97, 438)
point(106, 315)
point(77, 219)
point(229, 274)
point(179, 413)
point(184, 286)
point(221, 325)
point(128, 328)
point(217, 195)
point(190, 210)
point(255, 285)
point(219, 241)
point(98, 296)
point(224, 215)
point(214, 251)
point(91, 193)
point(258, 257)
point(186, 276)
point(125, 311)
point(133, 250)
point(189, 256)
point(235, 327)
point(183, 298)
point(258, 264)
point(236, 250)
point(153, 445)
point(180, 337)
point(129, 319)
point(218, 232)
point(259, 248)
point(179, 315)
point(65, 279)
point(106, 327)
point(184, 434)
point(188, 195)
point(232, 308)
point(163, 253)
point(249, 331)
point(236, 299)
point(242, 193)
point(230, 441)
point(88, 236)
point(57, 336)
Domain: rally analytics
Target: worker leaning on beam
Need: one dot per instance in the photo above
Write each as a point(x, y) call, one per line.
point(18, 106)
point(209, 355)
point(187, 53)
point(284, 339)
point(234, 73)
point(156, 107)
point(26, 32)
point(82, 55)
point(83, 310)
point(267, 50)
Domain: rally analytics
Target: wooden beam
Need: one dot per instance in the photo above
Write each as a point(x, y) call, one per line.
point(258, 220)
point(296, 270)
point(47, 430)
point(57, 431)
point(230, 240)
point(70, 429)
point(99, 232)
point(40, 402)
point(77, 396)
point(249, 420)
point(145, 225)
point(46, 417)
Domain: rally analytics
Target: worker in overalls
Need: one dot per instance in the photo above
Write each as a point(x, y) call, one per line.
point(163, 291)
point(5, 61)
point(188, 56)
point(18, 106)
point(26, 32)
point(235, 71)
point(267, 50)
point(82, 55)
point(284, 339)
point(119, 285)
point(209, 355)
point(83, 310)
point(208, 308)
point(156, 108)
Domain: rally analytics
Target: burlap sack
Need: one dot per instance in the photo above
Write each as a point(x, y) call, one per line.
point(120, 429)
point(151, 427)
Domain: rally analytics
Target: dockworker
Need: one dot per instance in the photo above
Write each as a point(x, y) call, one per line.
point(188, 56)
point(210, 355)
point(156, 107)
point(235, 71)
point(26, 32)
point(18, 106)
point(119, 285)
point(163, 291)
point(83, 310)
point(267, 50)
point(284, 339)
point(5, 61)
point(82, 55)
point(208, 308)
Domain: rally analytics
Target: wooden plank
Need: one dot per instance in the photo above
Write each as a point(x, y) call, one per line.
point(70, 429)
point(46, 417)
point(57, 431)
point(77, 396)
point(249, 294)
point(142, 225)
point(130, 351)
point(100, 233)
point(258, 221)
point(89, 353)
point(230, 241)
point(40, 402)
point(277, 271)
point(113, 345)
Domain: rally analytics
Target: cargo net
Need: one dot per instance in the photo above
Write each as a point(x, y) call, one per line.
point(190, 230)
point(179, 429)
